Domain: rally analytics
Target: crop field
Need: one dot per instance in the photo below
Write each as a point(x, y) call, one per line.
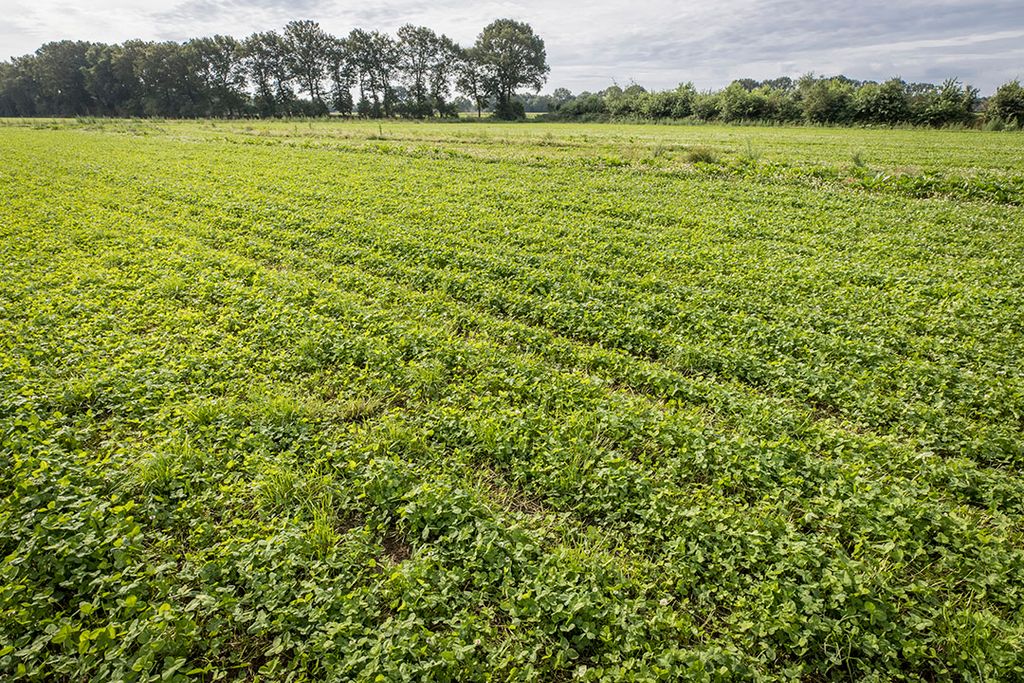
point(342, 401)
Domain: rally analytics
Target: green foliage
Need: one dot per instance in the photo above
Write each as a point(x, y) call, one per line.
point(948, 105)
point(510, 56)
point(302, 71)
point(740, 104)
point(707, 106)
point(512, 110)
point(340, 402)
point(701, 154)
point(888, 102)
point(1007, 105)
point(827, 100)
point(833, 101)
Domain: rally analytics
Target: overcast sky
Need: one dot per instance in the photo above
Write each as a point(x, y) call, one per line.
point(656, 43)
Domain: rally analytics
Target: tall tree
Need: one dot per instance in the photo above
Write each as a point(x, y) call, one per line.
point(19, 88)
point(111, 80)
point(343, 76)
point(221, 72)
point(170, 78)
point(427, 62)
point(442, 75)
point(59, 72)
point(308, 48)
point(470, 79)
point(265, 60)
point(376, 58)
point(512, 56)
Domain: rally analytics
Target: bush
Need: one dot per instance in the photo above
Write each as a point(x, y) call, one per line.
point(886, 103)
point(587, 104)
point(783, 105)
point(513, 110)
point(707, 106)
point(739, 104)
point(951, 104)
point(1007, 104)
point(827, 100)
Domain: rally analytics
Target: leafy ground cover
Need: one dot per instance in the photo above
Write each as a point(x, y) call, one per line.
point(343, 401)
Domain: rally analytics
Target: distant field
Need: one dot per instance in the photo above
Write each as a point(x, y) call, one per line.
point(509, 402)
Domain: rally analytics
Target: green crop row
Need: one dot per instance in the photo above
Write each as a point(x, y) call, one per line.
point(325, 412)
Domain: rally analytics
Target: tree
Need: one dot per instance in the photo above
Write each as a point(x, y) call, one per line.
point(511, 56)
point(18, 87)
point(560, 96)
point(670, 104)
point(587, 106)
point(427, 62)
point(111, 80)
point(307, 50)
point(169, 79)
point(782, 102)
point(343, 76)
point(415, 73)
point(375, 57)
point(783, 83)
point(265, 60)
point(634, 90)
point(442, 74)
point(1007, 105)
point(707, 106)
point(614, 100)
point(417, 49)
point(470, 79)
point(741, 104)
point(222, 73)
point(59, 74)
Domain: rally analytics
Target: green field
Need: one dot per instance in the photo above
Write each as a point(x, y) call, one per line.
point(355, 401)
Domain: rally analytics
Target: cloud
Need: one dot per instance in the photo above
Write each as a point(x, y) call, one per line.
point(866, 40)
point(657, 43)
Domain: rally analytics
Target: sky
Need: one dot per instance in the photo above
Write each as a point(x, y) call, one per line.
point(656, 43)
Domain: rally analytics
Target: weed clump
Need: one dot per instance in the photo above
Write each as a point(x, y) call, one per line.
point(701, 154)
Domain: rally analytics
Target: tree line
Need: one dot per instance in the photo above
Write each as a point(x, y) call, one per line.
point(301, 70)
point(830, 100)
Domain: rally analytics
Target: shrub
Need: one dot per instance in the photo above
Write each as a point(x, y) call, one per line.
point(827, 100)
point(886, 103)
point(950, 104)
point(707, 106)
point(513, 110)
point(739, 104)
point(1007, 104)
